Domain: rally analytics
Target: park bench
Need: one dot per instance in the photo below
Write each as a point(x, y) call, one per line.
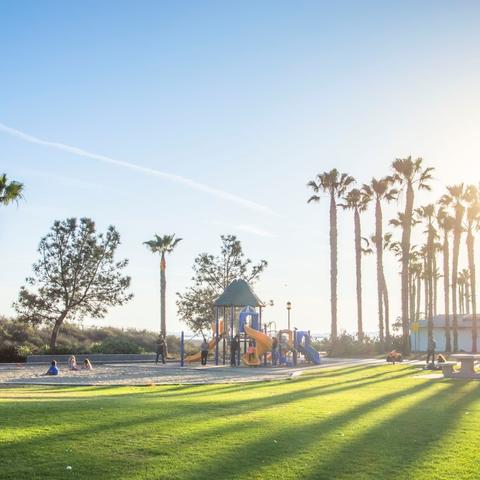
point(447, 368)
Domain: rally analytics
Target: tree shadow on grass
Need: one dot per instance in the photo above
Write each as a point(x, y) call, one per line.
point(409, 436)
point(294, 439)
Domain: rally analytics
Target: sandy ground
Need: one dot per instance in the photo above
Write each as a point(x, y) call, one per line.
point(149, 373)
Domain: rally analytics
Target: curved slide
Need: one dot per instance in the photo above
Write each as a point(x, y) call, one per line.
point(310, 353)
point(263, 345)
point(196, 357)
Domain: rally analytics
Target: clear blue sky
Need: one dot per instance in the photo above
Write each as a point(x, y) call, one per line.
point(251, 98)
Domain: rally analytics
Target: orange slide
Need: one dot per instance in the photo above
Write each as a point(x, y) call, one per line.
point(196, 357)
point(263, 345)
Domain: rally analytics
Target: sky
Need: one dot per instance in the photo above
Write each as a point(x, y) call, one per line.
point(209, 118)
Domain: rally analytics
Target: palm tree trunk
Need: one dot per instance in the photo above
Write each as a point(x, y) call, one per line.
point(425, 288)
point(386, 304)
point(467, 293)
point(430, 286)
point(379, 251)
point(333, 266)
point(435, 284)
point(163, 289)
point(412, 293)
point(455, 255)
point(462, 298)
point(358, 270)
point(446, 290)
point(473, 282)
point(419, 293)
point(406, 234)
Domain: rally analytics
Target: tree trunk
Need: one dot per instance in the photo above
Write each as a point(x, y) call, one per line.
point(430, 285)
point(379, 251)
point(446, 289)
point(467, 293)
point(412, 293)
point(56, 329)
point(473, 284)
point(358, 270)
point(333, 266)
point(419, 294)
point(163, 289)
point(406, 234)
point(435, 284)
point(425, 288)
point(387, 308)
point(455, 254)
point(461, 296)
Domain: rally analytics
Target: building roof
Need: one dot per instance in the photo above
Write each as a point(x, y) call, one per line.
point(464, 321)
point(238, 294)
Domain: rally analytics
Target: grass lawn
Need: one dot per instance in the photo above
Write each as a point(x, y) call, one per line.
point(357, 423)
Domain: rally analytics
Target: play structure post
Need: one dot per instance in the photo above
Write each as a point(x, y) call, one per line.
point(182, 349)
point(216, 336)
point(295, 347)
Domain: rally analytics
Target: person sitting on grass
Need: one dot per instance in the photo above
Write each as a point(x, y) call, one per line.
point(72, 363)
point(394, 356)
point(87, 365)
point(53, 369)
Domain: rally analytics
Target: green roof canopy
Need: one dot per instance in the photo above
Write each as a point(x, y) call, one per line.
point(238, 294)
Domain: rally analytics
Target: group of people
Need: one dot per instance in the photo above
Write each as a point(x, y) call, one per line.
point(72, 366)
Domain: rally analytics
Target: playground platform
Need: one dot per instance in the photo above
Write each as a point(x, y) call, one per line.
point(139, 374)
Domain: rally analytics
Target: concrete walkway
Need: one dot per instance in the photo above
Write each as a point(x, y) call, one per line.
point(148, 373)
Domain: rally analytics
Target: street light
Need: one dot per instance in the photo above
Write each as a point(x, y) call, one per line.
point(289, 307)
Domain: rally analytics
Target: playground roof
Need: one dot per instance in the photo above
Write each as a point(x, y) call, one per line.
point(238, 294)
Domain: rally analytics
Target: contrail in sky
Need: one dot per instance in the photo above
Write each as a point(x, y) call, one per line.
point(139, 168)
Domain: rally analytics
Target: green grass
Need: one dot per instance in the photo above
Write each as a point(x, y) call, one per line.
point(356, 423)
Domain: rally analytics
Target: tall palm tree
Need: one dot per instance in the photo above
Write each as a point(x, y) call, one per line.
point(10, 191)
point(380, 191)
point(446, 223)
point(357, 202)
point(464, 290)
point(411, 175)
point(472, 197)
point(427, 214)
point(334, 184)
point(163, 245)
point(455, 199)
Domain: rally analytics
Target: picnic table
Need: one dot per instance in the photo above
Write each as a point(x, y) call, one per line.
point(467, 366)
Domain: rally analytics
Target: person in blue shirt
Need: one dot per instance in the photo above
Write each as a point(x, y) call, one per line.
point(53, 370)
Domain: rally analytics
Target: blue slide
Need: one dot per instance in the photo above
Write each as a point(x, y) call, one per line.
point(310, 353)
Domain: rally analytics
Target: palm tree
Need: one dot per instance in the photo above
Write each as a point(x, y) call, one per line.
point(163, 245)
point(427, 214)
point(335, 184)
point(464, 290)
point(10, 191)
point(446, 223)
point(357, 202)
point(472, 196)
point(411, 175)
point(380, 191)
point(455, 198)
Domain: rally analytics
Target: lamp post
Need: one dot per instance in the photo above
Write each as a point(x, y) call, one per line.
point(289, 307)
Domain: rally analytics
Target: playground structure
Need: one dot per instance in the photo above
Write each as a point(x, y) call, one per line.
point(238, 313)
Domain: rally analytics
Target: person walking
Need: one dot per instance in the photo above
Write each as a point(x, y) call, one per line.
point(204, 351)
point(432, 345)
point(234, 350)
point(161, 349)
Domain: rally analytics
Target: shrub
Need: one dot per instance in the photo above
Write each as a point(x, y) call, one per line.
point(117, 345)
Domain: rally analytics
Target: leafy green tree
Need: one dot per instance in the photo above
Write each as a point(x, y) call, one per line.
point(76, 276)
point(411, 175)
point(334, 184)
point(212, 274)
point(10, 191)
point(163, 245)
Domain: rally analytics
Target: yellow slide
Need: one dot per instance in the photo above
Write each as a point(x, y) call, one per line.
point(263, 345)
point(196, 357)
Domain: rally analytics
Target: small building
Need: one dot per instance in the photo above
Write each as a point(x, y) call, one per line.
point(419, 338)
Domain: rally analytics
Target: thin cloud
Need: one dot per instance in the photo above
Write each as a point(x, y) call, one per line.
point(254, 230)
point(139, 168)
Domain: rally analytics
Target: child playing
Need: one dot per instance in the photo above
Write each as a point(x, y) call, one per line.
point(53, 370)
point(72, 363)
point(87, 365)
